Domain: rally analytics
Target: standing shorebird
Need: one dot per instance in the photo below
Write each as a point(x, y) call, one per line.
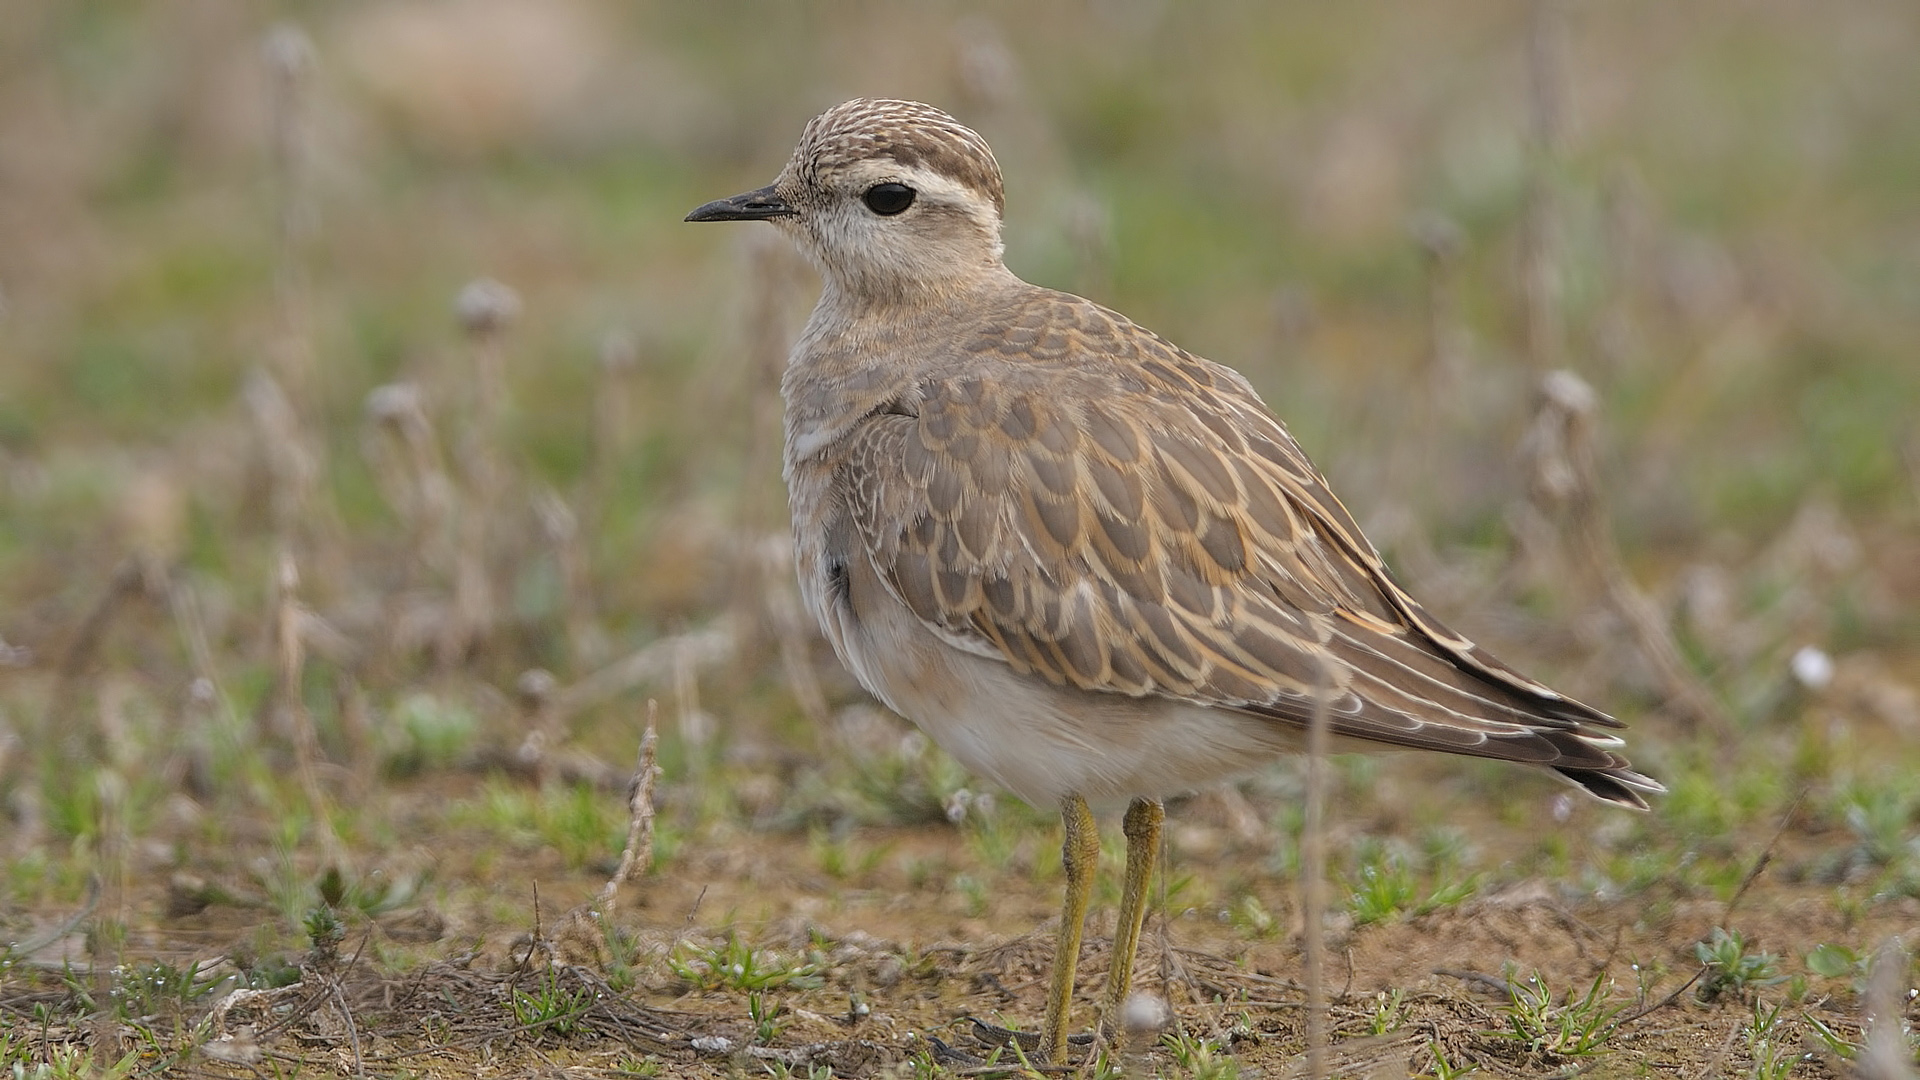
point(1085, 561)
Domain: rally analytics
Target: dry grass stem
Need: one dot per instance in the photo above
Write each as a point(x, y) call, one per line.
point(586, 642)
point(1889, 1055)
point(1313, 874)
point(1441, 244)
point(1565, 487)
point(356, 731)
point(1616, 335)
point(1910, 457)
point(793, 630)
point(288, 54)
point(485, 309)
point(696, 726)
point(773, 295)
point(1542, 285)
point(659, 660)
point(291, 717)
point(9, 746)
point(534, 692)
point(107, 939)
point(126, 582)
point(403, 451)
point(288, 455)
point(209, 704)
point(637, 855)
point(613, 426)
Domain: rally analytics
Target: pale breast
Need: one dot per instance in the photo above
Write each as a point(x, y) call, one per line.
point(1038, 740)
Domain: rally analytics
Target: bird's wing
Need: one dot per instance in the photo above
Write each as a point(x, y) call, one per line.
point(1102, 510)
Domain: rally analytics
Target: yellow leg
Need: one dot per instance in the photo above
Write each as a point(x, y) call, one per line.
point(1080, 855)
point(1143, 848)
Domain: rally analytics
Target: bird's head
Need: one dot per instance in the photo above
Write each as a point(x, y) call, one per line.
point(894, 201)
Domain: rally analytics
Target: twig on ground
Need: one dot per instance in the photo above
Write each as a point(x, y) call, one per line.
point(1761, 861)
point(1623, 1021)
point(637, 855)
point(1490, 983)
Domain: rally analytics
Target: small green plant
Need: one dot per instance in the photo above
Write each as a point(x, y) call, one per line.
point(1252, 917)
point(624, 950)
point(1835, 1040)
point(917, 783)
point(1846, 1038)
point(576, 820)
point(1731, 969)
point(979, 897)
point(1576, 1027)
point(765, 1016)
point(61, 1062)
point(829, 852)
point(428, 733)
point(1773, 1055)
point(993, 838)
point(1839, 962)
point(324, 929)
point(1442, 1069)
point(837, 856)
point(551, 1006)
point(151, 987)
point(373, 894)
point(1386, 1012)
point(1881, 819)
point(1384, 890)
point(1387, 887)
point(1200, 1058)
point(734, 965)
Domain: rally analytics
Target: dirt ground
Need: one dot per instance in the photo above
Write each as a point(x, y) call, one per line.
point(887, 963)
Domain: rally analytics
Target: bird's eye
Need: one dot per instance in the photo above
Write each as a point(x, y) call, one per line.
point(888, 199)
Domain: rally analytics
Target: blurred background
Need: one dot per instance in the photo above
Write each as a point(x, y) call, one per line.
point(366, 405)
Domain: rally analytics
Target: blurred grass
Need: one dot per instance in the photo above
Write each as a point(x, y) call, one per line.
point(1741, 256)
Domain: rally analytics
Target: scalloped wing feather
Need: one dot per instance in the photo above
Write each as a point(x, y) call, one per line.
point(1103, 510)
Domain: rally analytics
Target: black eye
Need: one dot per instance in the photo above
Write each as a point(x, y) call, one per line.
point(888, 199)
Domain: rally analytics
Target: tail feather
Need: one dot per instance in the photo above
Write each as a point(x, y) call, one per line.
point(1620, 785)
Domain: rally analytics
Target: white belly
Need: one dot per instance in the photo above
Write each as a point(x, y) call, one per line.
point(1040, 741)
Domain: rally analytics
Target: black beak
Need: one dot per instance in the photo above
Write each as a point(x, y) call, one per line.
point(748, 206)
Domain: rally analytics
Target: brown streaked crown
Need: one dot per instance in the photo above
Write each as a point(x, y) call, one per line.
point(912, 134)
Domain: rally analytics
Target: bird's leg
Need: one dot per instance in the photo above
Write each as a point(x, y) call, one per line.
point(1080, 856)
point(1143, 846)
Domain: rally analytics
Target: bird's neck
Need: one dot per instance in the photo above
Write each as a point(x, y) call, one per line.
point(850, 297)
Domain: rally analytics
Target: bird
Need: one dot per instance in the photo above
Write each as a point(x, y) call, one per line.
point(1087, 563)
